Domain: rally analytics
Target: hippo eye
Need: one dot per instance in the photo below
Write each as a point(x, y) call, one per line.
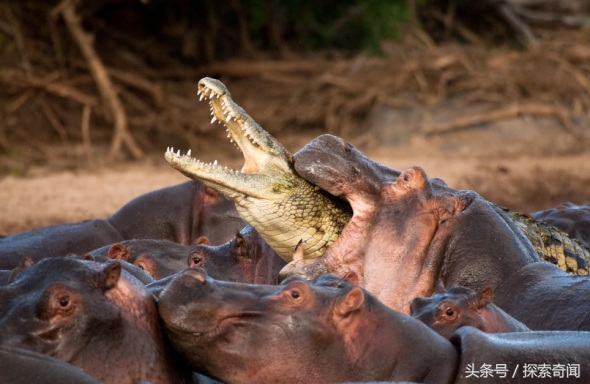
point(196, 261)
point(449, 314)
point(295, 294)
point(406, 178)
point(64, 302)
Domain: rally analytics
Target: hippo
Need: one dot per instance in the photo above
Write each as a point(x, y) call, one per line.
point(92, 315)
point(543, 297)
point(297, 332)
point(182, 213)
point(19, 366)
point(535, 357)
point(246, 258)
point(158, 258)
point(407, 230)
point(569, 217)
point(460, 306)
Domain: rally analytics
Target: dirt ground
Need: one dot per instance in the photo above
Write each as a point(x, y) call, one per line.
point(525, 164)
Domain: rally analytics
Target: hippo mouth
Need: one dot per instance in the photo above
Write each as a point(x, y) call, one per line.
point(207, 332)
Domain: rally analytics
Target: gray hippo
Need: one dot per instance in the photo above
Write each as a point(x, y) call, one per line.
point(182, 213)
point(331, 331)
point(460, 306)
point(158, 258)
point(543, 297)
point(19, 366)
point(246, 258)
point(91, 315)
point(297, 332)
point(522, 357)
point(408, 231)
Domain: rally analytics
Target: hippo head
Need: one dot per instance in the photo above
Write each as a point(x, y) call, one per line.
point(246, 258)
point(257, 333)
point(446, 311)
point(49, 306)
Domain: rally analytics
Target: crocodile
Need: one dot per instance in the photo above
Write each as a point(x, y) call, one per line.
point(282, 206)
point(285, 208)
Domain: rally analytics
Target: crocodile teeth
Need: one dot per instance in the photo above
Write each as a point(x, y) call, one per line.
point(215, 162)
point(188, 153)
point(213, 119)
point(201, 97)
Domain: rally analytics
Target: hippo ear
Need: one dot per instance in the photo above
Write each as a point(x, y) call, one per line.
point(241, 245)
point(351, 302)
point(417, 303)
point(118, 251)
point(203, 240)
point(25, 263)
point(109, 276)
point(485, 297)
point(440, 286)
point(298, 253)
point(352, 277)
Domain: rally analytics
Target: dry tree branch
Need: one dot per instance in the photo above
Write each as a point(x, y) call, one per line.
point(503, 113)
point(99, 73)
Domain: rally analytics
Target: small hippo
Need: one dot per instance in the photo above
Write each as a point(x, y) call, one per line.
point(571, 218)
point(182, 213)
point(298, 332)
point(459, 306)
point(543, 297)
point(19, 366)
point(158, 258)
point(246, 258)
point(91, 315)
point(408, 230)
point(535, 357)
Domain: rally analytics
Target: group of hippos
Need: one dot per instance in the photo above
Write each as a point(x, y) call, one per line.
point(321, 266)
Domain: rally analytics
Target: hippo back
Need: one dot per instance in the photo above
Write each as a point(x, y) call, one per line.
point(18, 366)
point(543, 297)
point(529, 357)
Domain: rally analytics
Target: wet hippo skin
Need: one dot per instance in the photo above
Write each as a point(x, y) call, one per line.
point(158, 258)
point(407, 230)
point(512, 354)
point(19, 366)
point(297, 332)
point(543, 297)
point(445, 311)
point(94, 316)
point(246, 258)
point(182, 213)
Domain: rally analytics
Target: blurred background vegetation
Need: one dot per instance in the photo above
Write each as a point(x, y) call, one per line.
point(83, 80)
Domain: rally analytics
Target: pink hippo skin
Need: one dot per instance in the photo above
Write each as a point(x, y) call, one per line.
point(158, 258)
point(298, 332)
point(246, 258)
point(91, 315)
point(460, 306)
point(182, 213)
point(407, 230)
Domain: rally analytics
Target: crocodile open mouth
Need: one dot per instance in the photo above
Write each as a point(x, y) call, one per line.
point(259, 148)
